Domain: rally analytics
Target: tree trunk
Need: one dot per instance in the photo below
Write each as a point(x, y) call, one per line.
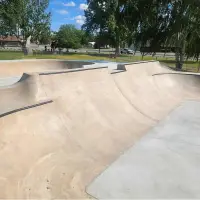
point(117, 50)
point(177, 52)
point(181, 58)
point(198, 67)
point(178, 58)
point(197, 57)
point(143, 55)
point(24, 49)
point(180, 51)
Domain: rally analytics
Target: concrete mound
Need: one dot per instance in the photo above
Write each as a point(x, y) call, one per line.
point(57, 150)
point(26, 92)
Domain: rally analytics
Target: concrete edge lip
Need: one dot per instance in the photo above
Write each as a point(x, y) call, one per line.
point(70, 70)
point(112, 66)
point(38, 60)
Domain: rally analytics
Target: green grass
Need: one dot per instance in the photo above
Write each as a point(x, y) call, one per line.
point(188, 65)
point(10, 55)
point(70, 56)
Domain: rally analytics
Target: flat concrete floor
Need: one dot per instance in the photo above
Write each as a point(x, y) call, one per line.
point(165, 163)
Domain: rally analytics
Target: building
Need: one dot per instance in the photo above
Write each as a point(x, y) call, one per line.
point(10, 41)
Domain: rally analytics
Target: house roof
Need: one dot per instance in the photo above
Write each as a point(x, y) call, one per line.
point(9, 39)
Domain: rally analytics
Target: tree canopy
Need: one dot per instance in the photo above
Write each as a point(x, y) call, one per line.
point(152, 23)
point(68, 36)
point(25, 18)
point(109, 18)
point(155, 24)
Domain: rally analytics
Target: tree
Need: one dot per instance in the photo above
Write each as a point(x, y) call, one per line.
point(107, 17)
point(154, 24)
point(25, 19)
point(86, 38)
point(69, 37)
point(172, 23)
point(104, 39)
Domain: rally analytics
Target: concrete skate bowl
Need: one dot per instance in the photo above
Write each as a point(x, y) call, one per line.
point(18, 67)
point(56, 150)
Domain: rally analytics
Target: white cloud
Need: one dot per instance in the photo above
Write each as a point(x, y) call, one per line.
point(72, 4)
point(62, 12)
point(80, 19)
point(55, 2)
point(83, 6)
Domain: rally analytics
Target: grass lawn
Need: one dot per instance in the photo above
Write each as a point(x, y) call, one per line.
point(10, 55)
point(188, 65)
point(6, 55)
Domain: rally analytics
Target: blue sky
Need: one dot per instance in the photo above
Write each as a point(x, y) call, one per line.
point(67, 12)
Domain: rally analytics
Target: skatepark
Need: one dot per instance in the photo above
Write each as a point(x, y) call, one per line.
point(71, 130)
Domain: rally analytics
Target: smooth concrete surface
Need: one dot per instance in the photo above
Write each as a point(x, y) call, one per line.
point(18, 67)
point(7, 81)
point(164, 164)
point(26, 92)
point(57, 149)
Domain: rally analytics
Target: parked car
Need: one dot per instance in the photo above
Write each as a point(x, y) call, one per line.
point(126, 51)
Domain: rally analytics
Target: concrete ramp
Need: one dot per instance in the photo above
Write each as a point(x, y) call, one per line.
point(26, 92)
point(155, 90)
point(58, 149)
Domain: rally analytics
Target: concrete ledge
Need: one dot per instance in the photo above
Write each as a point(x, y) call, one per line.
point(25, 108)
point(121, 67)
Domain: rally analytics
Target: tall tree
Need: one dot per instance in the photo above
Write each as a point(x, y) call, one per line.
point(107, 17)
point(166, 23)
point(69, 37)
point(25, 19)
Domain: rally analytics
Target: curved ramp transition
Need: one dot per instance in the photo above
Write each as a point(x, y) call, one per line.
point(27, 92)
point(57, 150)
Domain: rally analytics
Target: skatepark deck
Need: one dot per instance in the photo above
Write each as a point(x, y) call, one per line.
point(91, 118)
